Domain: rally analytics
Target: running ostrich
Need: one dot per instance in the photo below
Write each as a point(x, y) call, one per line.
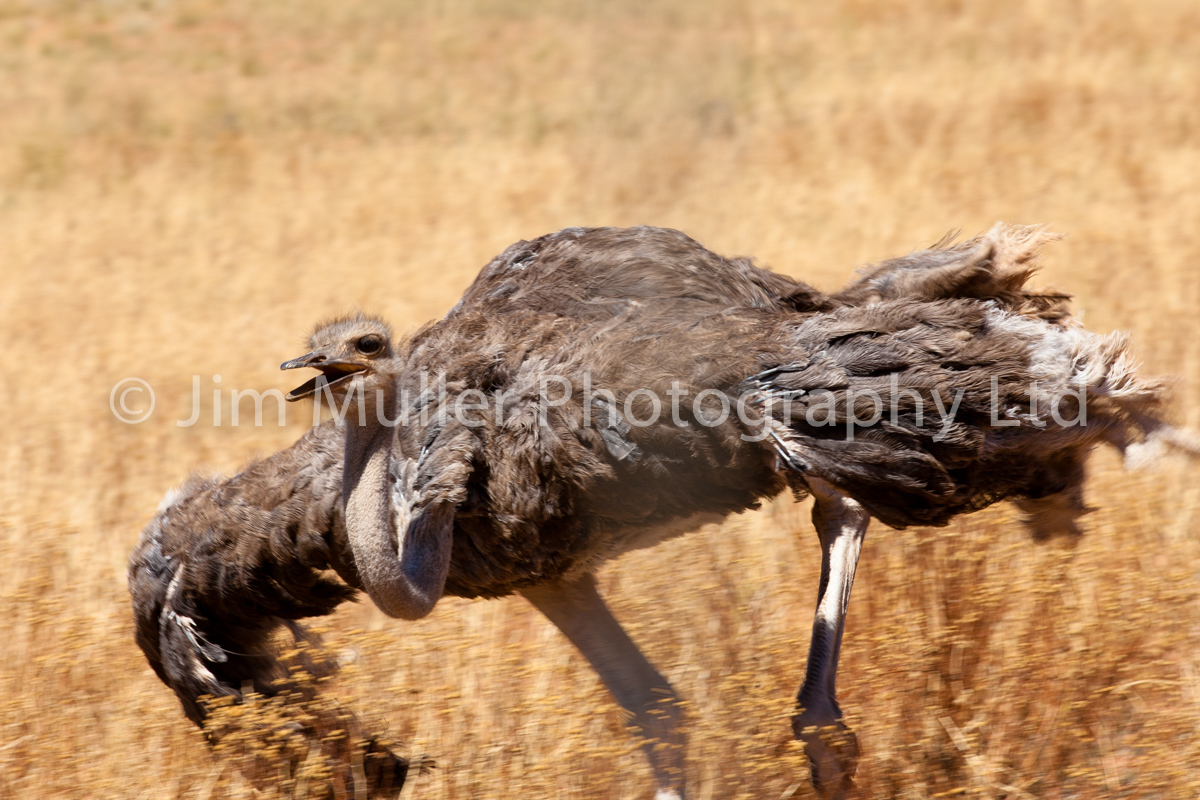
point(504, 449)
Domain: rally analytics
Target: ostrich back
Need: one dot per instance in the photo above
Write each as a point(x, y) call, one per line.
point(226, 562)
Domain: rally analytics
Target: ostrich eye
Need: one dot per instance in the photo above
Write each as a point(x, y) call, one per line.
point(369, 345)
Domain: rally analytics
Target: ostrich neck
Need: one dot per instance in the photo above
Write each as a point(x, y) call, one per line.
point(404, 571)
point(365, 487)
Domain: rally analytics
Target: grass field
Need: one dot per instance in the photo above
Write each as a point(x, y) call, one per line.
point(186, 187)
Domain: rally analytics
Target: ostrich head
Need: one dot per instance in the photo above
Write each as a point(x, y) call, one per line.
point(349, 353)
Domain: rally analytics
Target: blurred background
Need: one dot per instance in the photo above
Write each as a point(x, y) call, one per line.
point(187, 187)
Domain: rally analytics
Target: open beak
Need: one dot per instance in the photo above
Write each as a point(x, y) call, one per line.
point(332, 373)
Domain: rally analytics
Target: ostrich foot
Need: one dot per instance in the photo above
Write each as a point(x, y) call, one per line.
point(833, 752)
point(385, 771)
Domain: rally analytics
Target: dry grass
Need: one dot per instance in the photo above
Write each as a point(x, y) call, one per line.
point(186, 186)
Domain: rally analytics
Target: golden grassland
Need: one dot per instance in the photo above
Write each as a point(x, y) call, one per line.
point(186, 187)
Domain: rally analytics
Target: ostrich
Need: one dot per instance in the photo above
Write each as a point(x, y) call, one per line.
point(534, 488)
point(542, 478)
point(224, 564)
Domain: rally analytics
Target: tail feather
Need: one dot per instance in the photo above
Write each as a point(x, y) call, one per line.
point(993, 266)
point(1159, 439)
point(1035, 392)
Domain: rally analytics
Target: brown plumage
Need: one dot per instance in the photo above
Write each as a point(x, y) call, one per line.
point(655, 309)
point(245, 555)
point(528, 494)
point(227, 563)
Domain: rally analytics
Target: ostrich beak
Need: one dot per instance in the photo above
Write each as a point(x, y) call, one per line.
point(332, 372)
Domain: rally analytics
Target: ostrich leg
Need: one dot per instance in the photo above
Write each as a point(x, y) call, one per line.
point(832, 747)
point(577, 609)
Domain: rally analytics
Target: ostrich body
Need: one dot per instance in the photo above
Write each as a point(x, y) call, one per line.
point(470, 470)
point(226, 563)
